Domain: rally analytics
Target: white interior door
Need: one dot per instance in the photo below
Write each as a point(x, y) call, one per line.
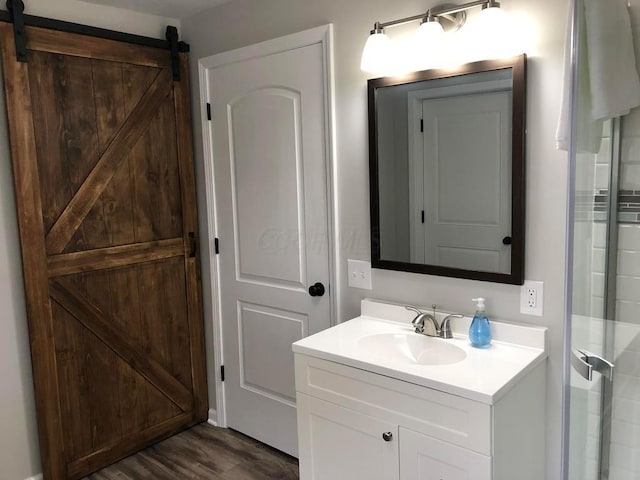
point(467, 181)
point(270, 161)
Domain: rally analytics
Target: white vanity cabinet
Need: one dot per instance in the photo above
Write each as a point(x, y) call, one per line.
point(354, 424)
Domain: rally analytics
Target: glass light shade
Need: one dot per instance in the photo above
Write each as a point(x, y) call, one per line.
point(429, 34)
point(377, 54)
point(494, 33)
point(429, 46)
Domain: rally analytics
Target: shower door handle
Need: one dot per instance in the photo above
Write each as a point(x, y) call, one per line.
point(586, 362)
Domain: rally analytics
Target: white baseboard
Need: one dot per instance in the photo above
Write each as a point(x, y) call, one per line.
point(212, 420)
point(35, 477)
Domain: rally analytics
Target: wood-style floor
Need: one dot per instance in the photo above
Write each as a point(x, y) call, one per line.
point(204, 452)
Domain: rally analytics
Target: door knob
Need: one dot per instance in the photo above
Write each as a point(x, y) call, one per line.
point(387, 436)
point(506, 240)
point(316, 290)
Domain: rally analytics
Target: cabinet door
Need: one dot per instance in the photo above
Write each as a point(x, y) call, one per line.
point(337, 443)
point(425, 458)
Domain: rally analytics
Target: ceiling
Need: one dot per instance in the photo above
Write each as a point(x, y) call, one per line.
point(164, 8)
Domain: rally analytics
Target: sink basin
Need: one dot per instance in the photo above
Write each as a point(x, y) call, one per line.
point(411, 348)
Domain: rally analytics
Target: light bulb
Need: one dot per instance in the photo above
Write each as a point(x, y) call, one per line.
point(377, 54)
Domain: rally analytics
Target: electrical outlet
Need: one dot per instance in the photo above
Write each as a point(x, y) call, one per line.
point(531, 298)
point(359, 274)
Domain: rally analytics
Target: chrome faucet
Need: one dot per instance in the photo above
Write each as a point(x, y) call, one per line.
point(442, 330)
point(419, 320)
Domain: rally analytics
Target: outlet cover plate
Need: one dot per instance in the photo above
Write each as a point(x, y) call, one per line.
point(532, 298)
point(359, 274)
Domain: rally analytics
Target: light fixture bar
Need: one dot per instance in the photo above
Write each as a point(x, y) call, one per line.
point(444, 11)
point(400, 21)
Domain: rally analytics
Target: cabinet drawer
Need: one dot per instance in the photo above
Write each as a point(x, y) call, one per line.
point(425, 458)
point(440, 415)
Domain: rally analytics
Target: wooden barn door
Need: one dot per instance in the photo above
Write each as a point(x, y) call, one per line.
point(102, 157)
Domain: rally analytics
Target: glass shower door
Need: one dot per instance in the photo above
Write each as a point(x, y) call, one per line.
point(603, 428)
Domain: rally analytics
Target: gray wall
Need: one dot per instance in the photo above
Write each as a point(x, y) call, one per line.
point(244, 22)
point(19, 454)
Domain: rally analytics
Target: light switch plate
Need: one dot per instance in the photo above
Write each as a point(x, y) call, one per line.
point(359, 274)
point(532, 298)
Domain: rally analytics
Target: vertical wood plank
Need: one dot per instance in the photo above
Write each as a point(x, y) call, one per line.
point(164, 174)
point(82, 146)
point(155, 335)
point(103, 400)
point(70, 355)
point(134, 80)
point(190, 224)
point(45, 72)
point(133, 388)
point(27, 191)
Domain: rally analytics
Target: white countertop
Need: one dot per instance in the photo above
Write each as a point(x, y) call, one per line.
point(484, 375)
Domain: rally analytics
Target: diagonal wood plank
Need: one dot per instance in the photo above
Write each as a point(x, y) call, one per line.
point(133, 128)
point(100, 325)
point(113, 257)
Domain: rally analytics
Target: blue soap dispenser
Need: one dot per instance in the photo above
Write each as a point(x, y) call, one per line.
point(480, 330)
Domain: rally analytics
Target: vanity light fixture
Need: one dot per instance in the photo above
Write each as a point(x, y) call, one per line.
point(378, 56)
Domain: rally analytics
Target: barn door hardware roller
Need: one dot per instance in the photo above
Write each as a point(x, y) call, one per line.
point(172, 38)
point(16, 11)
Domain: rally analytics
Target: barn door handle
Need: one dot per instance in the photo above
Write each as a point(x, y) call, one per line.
point(192, 245)
point(316, 290)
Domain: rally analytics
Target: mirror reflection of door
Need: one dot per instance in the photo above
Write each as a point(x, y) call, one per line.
point(447, 164)
point(465, 183)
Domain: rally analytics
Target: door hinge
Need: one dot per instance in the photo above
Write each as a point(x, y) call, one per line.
point(421, 125)
point(422, 216)
point(209, 117)
point(222, 373)
point(216, 245)
point(16, 11)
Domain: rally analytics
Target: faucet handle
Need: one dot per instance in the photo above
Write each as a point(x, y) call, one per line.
point(418, 320)
point(446, 325)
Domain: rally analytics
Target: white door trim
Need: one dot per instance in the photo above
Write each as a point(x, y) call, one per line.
point(324, 36)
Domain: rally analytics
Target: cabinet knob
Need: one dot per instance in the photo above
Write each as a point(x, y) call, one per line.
point(387, 436)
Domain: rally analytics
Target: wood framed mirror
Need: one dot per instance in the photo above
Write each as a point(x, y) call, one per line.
point(447, 171)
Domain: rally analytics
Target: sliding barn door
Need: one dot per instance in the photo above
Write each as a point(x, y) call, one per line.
point(102, 157)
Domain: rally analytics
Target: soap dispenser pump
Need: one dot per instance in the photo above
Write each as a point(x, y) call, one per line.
point(480, 330)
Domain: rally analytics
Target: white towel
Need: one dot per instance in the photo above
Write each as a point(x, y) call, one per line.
point(589, 131)
point(609, 85)
point(615, 86)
